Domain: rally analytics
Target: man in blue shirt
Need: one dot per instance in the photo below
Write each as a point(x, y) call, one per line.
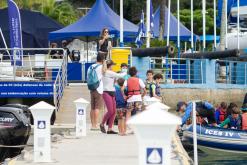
point(203, 110)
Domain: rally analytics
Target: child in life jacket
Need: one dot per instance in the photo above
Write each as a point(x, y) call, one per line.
point(134, 87)
point(121, 106)
point(221, 113)
point(234, 120)
point(155, 90)
point(244, 116)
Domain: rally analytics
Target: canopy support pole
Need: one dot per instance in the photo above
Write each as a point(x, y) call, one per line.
point(238, 24)
point(214, 25)
point(121, 24)
point(226, 42)
point(204, 23)
point(87, 47)
point(148, 24)
point(192, 25)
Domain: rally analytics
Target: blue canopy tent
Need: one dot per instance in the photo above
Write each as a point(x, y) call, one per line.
point(99, 17)
point(185, 33)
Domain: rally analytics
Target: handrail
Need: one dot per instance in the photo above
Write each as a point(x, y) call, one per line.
point(61, 81)
point(37, 67)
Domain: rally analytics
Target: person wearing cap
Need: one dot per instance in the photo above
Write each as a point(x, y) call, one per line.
point(204, 110)
point(109, 79)
point(244, 116)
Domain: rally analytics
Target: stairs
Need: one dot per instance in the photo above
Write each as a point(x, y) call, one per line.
point(66, 113)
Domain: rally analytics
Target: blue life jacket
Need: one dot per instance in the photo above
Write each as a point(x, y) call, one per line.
point(157, 90)
point(120, 102)
point(235, 123)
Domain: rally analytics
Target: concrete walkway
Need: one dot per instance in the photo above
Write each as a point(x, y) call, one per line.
point(94, 149)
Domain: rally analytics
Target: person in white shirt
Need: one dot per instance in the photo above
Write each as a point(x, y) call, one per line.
point(109, 79)
point(135, 92)
point(96, 95)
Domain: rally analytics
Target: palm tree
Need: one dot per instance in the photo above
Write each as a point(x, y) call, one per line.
point(162, 19)
point(222, 27)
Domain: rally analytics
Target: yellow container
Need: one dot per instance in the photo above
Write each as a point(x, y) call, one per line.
point(119, 56)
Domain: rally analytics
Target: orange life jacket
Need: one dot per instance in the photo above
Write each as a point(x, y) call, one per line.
point(133, 86)
point(244, 121)
point(222, 115)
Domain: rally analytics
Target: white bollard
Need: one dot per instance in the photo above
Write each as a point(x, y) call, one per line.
point(158, 105)
point(150, 100)
point(81, 127)
point(154, 129)
point(42, 131)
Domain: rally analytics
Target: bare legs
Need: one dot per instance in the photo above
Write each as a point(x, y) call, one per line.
point(94, 115)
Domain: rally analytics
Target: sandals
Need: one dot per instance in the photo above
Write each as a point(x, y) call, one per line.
point(111, 132)
point(102, 128)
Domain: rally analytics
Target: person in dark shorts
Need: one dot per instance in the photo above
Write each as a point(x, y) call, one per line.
point(96, 95)
point(121, 106)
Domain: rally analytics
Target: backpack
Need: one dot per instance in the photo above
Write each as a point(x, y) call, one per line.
point(92, 78)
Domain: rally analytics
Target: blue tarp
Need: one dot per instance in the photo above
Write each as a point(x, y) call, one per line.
point(185, 33)
point(210, 38)
point(35, 28)
point(99, 17)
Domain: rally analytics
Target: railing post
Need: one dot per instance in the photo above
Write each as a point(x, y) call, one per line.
point(230, 72)
point(245, 74)
point(14, 61)
point(171, 70)
point(210, 73)
point(189, 69)
point(195, 134)
point(201, 72)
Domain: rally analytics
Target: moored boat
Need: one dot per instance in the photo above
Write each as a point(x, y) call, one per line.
point(215, 138)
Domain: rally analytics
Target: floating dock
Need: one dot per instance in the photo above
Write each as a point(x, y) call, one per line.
point(96, 148)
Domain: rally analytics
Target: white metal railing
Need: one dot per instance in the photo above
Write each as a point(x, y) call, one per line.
point(231, 72)
point(60, 83)
point(38, 64)
point(179, 71)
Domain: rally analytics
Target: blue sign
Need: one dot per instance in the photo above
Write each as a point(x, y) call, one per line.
point(154, 156)
point(80, 111)
point(15, 32)
point(26, 89)
point(41, 124)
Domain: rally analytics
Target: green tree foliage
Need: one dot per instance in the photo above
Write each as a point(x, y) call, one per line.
point(63, 12)
point(185, 19)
